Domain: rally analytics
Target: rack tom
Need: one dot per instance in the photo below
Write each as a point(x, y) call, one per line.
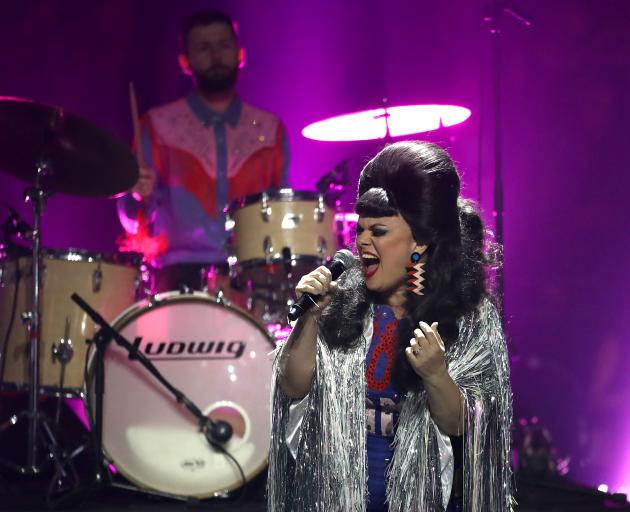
point(279, 233)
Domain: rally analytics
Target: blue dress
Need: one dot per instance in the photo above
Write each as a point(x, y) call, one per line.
point(382, 403)
point(383, 406)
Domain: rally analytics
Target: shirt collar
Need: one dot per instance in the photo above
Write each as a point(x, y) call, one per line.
point(208, 116)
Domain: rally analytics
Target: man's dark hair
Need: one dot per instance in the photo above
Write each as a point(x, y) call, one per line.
point(202, 19)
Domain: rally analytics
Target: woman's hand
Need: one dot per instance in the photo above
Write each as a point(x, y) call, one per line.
point(299, 355)
point(318, 282)
point(425, 353)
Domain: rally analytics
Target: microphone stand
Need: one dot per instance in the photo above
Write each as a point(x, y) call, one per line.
point(216, 433)
point(493, 20)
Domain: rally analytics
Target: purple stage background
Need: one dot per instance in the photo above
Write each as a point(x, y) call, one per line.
point(566, 106)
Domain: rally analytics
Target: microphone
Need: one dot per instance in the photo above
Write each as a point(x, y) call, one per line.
point(340, 262)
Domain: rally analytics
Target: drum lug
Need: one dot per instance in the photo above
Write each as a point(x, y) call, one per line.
point(265, 209)
point(231, 252)
point(229, 222)
point(267, 247)
point(220, 297)
point(320, 209)
point(97, 278)
point(64, 351)
point(27, 317)
point(322, 246)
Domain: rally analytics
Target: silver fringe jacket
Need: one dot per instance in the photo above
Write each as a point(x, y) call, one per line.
point(318, 460)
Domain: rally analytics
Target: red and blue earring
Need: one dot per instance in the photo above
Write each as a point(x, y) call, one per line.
point(415, 271)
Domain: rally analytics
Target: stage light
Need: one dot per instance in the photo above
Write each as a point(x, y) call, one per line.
point(383, 122)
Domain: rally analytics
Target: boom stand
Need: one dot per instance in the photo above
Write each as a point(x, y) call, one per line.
point(217, 433)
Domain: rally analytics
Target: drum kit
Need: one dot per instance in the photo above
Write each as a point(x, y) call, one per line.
point(207, 350)
point(216, 351)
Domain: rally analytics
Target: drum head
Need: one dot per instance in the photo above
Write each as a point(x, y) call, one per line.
point(218, 356)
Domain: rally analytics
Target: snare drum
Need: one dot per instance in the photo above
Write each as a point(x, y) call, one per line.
point(218, 356)
point(107, 282)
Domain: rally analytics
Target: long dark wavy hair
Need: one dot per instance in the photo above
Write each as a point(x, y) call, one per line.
point(419, 182)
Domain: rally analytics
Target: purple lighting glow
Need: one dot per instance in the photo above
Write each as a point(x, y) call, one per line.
point(373, 124)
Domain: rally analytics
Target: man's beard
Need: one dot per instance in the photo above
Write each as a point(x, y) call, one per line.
point(215, 80)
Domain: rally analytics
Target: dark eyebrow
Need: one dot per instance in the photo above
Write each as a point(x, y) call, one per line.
point(371, 226)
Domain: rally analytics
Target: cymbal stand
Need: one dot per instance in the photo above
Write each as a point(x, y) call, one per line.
point(39, 428)
point(41, 431)
point(36, 195)
point(494, 22)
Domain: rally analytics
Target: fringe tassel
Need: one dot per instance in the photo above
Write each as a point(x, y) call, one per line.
point(330, 473)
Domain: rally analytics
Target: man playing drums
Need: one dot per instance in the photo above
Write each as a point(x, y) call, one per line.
point(201, 152)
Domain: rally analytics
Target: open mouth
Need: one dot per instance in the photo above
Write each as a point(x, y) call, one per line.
point(370, 264)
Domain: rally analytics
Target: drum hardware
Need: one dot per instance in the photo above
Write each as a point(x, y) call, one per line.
point(144, 284)
point(265, 209)
point(64, 352)
point(267, 248)
point(54, 151)
point(288, 260)
point(39, 434)
point(16, 226)
point(322, 246)
point(320, 210)
point(216, 432)
point(220, 299)
point(37, 196)
point(212, 282)
point(26, 317)
point(65, 270)
point(97, 278)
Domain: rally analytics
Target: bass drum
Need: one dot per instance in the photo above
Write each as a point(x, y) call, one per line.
point(218, 356)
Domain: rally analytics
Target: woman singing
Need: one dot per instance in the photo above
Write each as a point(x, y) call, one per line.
point(394, 394)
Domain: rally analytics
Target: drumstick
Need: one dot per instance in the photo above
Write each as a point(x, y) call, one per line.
point(136, 125)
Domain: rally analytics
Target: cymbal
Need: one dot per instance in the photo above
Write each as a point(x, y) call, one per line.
point(386, 122)
point(84, 159)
